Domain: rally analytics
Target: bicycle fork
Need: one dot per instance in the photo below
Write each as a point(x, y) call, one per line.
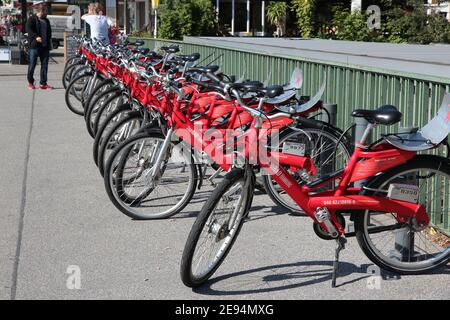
point(162, 153)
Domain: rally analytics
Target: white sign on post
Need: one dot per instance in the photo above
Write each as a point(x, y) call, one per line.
point(5, 54)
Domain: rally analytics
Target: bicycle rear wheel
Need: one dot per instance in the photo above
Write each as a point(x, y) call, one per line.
point(407, 247)
point(217, 226)
point(323, 146)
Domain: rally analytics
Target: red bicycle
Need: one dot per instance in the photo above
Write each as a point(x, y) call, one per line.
point(387, 189)
point(154, 173)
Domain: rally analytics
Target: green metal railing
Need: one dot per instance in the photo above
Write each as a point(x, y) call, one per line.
point(417, 96)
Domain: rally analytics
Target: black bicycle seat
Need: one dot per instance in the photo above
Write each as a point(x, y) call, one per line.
point(248, 86)
point(171, 49)
point(208, 69)
point(385, 115)
point(272, 91)
point(189, 57)
point(144, 51)
point(153, 54)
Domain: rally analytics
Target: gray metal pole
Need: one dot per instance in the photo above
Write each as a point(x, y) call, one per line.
point(248, 17)
point(232, 16)
point(327, 165)
point(263, 18)
point(360, 128)
point(404, 240)
point(331, 116)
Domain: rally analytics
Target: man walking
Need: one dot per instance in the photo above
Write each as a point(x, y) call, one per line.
point(39, 42)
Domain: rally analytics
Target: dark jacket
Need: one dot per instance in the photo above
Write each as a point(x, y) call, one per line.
point(32, 27)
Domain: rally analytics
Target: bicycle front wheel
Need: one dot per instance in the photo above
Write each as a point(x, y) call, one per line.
point(407, 247)
point(119, 132)
point(216, 228)
point(74, 93)
point(135, 188)
point(121, 113)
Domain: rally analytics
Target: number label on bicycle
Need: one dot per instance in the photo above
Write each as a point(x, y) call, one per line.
point(403, 192)
point(294, 148)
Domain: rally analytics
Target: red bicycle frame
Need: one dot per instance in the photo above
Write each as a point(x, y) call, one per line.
point(362, 164)
point(198, 134)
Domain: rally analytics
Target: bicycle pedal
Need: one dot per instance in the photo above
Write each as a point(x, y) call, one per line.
point(213, 184)
point(341, 241)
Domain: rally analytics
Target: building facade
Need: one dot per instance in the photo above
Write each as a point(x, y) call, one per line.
point(443, 8)
point(238, 17)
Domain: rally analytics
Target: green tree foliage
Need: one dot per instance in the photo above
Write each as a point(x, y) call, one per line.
point(180, 18)
point(438, 29)
point(413, 25)
point(402, 21)
point(353, 26)
point(276, 14)
point(305, 12)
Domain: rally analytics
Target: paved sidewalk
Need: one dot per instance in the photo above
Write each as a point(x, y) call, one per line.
point(55, 214)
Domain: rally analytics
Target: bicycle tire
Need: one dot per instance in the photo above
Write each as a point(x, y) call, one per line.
point(102, 157)
point(125, 108)
point(80, 111)
point(99, 102)
point(231, 178)
point(113, 186)
point(428, 162)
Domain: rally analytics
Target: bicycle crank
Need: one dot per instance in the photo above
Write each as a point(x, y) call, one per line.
point(323, 216)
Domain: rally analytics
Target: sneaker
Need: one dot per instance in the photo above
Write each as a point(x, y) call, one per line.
point(31, 86)
point(45, 87)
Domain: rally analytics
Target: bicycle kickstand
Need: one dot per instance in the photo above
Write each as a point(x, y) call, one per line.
point(341, 241)
point(213, 176)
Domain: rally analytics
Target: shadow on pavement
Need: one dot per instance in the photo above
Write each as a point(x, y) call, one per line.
point(279, 277)
point(268, 212)
point(290, 276)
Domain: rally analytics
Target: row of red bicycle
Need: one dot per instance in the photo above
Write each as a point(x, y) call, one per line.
point(164, 127)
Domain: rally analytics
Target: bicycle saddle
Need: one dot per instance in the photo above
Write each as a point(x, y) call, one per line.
point(143, 51)
point(153, 54)
point(171, 49)
point(139, 43)
point(248, 86)
point(208, 69)
point(272, 91)
point(189, 58)
point(386, 115)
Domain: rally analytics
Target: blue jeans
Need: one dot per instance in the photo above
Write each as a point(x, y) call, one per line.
point(43, 53)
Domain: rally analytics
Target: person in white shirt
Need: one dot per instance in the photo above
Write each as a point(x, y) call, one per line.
point(98, 23)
